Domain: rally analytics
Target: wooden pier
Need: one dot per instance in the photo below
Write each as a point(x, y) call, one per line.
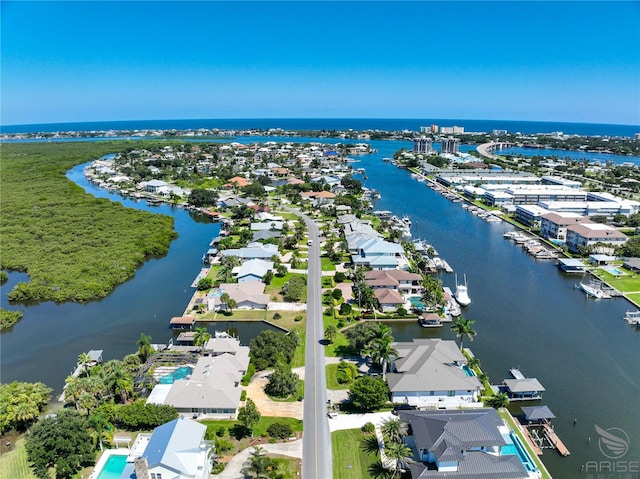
point(534, 446)
point(555, 440)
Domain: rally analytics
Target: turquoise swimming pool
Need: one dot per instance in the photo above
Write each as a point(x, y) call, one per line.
point(179, 373)
point(517, 449)
point(113, 468)
point(416, 303)
point(468, 371)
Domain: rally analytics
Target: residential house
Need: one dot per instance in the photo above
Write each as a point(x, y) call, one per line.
point(248, 295)
point(378, 254)
point(175, 450)
point(388, 299)
point(402, 281)
point(432, 373)
point(252, 251)
point(153, 185)
point(464, 444)
point(213, 388)
point(252, 270)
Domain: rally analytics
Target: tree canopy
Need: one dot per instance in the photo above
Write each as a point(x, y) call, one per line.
point(200, 197)
point(21, 403)
point(269, 347)
point(62, 442)
point(368, 393)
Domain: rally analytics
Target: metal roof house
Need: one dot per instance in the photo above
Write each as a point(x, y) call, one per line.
point(176, 450)
point(464, 444)
point(430, 372)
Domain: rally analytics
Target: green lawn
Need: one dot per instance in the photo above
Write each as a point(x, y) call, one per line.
point(259, 430)
point(506, 416)
point(236, 315)
point(332, 381)
point(298, 356)
point(339, 344)
point(287, 468)
point(626, 283)
point(634, 297)
point(350, 461)
point(14, 464)
point(327, 264)
point(294, 397)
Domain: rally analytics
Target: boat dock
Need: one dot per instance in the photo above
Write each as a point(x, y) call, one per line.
point(555, 440)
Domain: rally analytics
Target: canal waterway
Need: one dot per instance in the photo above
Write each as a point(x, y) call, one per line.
point(527, 314)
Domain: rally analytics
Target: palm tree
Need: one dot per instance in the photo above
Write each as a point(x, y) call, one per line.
point(118, 380)
point(231, 304)
point(225, 273)
point(259, 464)
point(380, 348)
point(101, 429)
point(462, 327)
point(144, 347)
point(400, 454)
point(393, 430)
point(201, 338)
point(224, 299)
point(498, 401)
point(84, 360)
point(330, 333)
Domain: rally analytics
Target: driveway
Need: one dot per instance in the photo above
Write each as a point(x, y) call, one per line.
point(233, 470)
point(269, 407)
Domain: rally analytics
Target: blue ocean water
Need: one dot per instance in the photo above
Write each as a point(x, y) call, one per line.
point(358, 124)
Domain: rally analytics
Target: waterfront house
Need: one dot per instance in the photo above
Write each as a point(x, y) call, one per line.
point(249, 295)
point(213, 389)
point(253, 250)
point(238, 181)
point(571, 265)
point(175, 450)
point(388, 299)
point(252, 270)
point(153, 185)
point(402, 281)
point(465, 444)
point(432, 373)
point(378, 254)
point(632, 264)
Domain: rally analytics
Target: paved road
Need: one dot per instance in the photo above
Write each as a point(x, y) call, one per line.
point(316, 445)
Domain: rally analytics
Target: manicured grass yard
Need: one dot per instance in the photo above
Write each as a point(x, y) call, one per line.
point(634, 297)
point(327, 264)
point(350, 461)
point(298, 356)
point(14, 464)
point(332, 381)
point(260, 429)
point(506, 416)
point(626, 283)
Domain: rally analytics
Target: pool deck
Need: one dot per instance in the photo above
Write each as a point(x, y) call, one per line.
point(105, 457)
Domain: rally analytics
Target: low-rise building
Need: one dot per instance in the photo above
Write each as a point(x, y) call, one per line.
point(597, 237)
point(554, 226)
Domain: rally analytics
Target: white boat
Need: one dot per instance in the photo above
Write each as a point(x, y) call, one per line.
point(632, 317)
point(591, 290)
point(462, 294)
point(406, 220)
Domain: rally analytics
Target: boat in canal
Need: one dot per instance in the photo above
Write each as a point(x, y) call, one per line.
point(592, 290)
point(632, 317)
point(462, 292)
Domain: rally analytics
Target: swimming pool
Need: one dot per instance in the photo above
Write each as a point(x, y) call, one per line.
point(517, 449)
point(468, 371)
point(416, 303)
point(179, 373)
point(113, 468)
point(614, 271)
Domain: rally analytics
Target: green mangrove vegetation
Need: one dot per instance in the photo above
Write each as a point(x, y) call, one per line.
point(74, 247)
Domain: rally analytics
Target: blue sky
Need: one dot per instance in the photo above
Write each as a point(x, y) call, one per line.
point(90, 61)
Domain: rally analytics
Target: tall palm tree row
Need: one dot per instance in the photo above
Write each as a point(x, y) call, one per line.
point(380, 348)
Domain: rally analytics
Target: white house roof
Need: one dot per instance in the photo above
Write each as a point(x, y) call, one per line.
point(173, 445)
point(255, 267)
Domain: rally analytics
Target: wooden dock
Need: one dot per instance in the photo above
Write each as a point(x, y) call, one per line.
point(530, 441)
point(555, 440)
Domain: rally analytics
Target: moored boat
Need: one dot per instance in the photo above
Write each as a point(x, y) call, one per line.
point(462, 292)
point(591, 290)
